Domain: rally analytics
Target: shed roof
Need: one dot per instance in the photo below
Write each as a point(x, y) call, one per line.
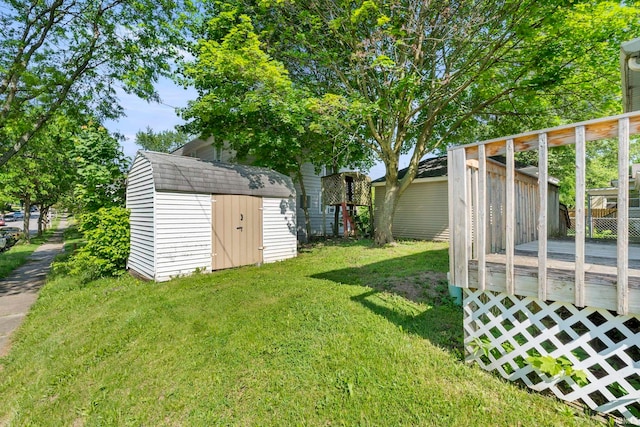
point(192, 175)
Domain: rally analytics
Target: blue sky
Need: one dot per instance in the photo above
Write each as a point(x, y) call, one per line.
point(140, 114)
point(159, 117)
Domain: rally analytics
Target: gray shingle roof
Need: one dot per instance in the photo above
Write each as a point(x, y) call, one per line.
point(437, 166)
point(191, 175)
point(428, 168)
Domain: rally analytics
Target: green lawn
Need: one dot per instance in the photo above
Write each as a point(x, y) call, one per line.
point(323, 339)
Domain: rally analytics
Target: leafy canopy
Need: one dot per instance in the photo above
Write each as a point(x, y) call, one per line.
point(72, 56)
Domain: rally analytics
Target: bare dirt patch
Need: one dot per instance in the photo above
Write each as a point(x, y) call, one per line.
point(428, 286)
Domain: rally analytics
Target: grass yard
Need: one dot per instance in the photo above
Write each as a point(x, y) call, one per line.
point(345, 334)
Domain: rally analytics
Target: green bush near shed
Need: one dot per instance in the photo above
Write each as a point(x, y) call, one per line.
point(105, 254)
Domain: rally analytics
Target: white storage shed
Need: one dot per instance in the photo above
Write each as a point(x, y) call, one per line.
point(188, 214)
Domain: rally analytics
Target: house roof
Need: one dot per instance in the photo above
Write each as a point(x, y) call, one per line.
point(192, 175)
point(429, 168)
point(630, 71)
point(192, 145)
point(437, 167)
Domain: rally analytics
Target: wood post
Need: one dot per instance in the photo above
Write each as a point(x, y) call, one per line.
point(579, 215)
point(543, 187)
point(623, 215)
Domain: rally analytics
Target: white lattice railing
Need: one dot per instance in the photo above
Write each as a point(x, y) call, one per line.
point(502, 330)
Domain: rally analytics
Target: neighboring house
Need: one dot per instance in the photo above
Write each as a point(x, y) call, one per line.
point(602, 207)
point(422, 211)
point(191, 215)
point(321, 222)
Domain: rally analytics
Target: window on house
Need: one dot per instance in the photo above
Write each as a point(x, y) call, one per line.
point(301, 200)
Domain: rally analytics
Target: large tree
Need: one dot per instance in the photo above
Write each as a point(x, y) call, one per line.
point(72, 55)
point(43, 172)
point(248, 103)
point(422, 75)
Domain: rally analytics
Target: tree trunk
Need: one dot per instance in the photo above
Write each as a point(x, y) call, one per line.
point(42, 225)
point(27, 217)
point(383, 233)
point(305, 207)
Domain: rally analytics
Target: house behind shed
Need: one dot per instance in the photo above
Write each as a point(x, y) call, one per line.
point(188, 214)
point(422, 212)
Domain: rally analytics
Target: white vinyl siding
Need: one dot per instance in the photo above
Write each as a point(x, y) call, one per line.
point(278, 229)
point(183, 234)
point(140, 198)
point(421, 213)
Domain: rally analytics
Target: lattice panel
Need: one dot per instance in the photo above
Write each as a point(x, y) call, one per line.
point(502, 330)
point(334, 189)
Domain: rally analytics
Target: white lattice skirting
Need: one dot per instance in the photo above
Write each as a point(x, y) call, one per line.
point(502, 330)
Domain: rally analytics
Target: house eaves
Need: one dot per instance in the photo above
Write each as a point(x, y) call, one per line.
point(630, 71)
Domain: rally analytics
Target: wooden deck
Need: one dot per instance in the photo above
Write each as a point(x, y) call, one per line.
point(600, 272)
point(601, 253)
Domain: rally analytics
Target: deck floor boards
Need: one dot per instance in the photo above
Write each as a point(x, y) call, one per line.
point(600, 253)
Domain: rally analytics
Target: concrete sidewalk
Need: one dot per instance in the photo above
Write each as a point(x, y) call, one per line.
point(20, 289)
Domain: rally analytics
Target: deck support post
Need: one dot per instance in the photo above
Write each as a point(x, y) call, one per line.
point(510, 217)
point(543, 186)
point(481, 214)
point(579, 215)
point(623, 215)
point(459, 226)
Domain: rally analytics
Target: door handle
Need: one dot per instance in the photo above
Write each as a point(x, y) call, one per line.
point(239, 228)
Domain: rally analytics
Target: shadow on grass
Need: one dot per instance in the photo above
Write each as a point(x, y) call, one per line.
point(418, 278)
point(318, 241)
point(440, 324)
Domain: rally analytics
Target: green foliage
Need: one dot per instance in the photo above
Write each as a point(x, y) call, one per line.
point(100, 167)
point(480, 346)
point(106, 232)
point(43, 172)
point(410, 79)
point(248, 99)
point(164, 141)
point(68, 56)
point(557, 367)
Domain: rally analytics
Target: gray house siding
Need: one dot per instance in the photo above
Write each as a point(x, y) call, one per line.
point(313, 188)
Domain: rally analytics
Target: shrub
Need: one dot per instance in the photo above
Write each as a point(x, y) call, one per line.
point(106, 232)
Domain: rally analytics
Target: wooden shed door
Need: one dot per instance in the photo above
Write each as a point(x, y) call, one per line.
point(236, 231)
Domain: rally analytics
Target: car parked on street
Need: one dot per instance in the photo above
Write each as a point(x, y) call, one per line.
point(18, 215)
point(14, 232)
point(8, 217)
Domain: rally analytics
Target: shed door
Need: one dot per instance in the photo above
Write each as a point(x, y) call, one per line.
point(237, 231)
